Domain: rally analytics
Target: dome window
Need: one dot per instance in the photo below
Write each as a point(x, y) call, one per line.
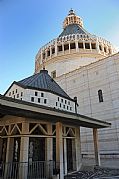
point(43, 55)
point(93, 45)
point(100, 47)
point(60, 48)
point(109, 51)
point(87, 45)
point(105, 49)
point(66, 47)
point(53, 50)
point(80, 45)
point(72, 46)
point(48, 53)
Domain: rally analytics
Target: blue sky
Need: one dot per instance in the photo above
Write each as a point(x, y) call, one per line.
point(26, 25)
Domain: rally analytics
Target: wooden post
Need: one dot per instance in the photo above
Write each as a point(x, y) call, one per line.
point(49, 151)
point(24, 149)
point(96, 147)
point(59, 149)
point(65, 152)
point(78, 149)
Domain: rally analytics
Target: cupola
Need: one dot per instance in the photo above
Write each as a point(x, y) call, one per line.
point(72, 18)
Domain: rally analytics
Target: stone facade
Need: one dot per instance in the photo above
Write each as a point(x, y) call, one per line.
point(85, 82)
point(86, 66)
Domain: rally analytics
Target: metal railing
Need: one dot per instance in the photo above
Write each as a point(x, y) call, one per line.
point(27, 170)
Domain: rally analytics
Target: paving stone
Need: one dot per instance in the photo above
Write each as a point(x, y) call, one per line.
point(98, 173)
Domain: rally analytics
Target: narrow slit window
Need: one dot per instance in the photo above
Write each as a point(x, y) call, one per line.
point(32, 99)
point(36, 93)
point(53, 74)
point(100, 96)
point(45, 101)
point(42, 94)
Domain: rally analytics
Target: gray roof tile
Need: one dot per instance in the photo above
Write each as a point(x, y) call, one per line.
point(43, 81)
point(73, 29)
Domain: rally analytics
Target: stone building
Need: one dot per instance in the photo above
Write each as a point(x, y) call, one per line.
point(40, 130)
point(48, 122)
point(86, 66)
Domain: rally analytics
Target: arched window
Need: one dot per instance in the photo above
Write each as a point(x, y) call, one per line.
point(100, 95)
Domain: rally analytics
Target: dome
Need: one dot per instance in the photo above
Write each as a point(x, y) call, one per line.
point(73, 48)
point(73, 29)
point(72, 18)
point(73, 25)
point(43, 81)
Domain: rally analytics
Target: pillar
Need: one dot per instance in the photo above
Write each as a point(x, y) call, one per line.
point(49, 150)
point(78, 149)
point(50, 52)
point(65, 153)
point(69, 47)
point(41, 56)
point(55, 47)
point(63, 47)
point(24, 149)
point(10, 149)
point(0, 147)
point(90, 46)
point(76, 42)
point(83, 44)
point(59, 149)
point(9, 157)
point(73, 154)
point(96, 147)
point(97, 45)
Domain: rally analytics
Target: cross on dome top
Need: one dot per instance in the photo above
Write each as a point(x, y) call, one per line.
point(72, 18)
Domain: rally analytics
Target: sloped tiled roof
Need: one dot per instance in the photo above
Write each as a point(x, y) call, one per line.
point(73, 29)
point(43, 81)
